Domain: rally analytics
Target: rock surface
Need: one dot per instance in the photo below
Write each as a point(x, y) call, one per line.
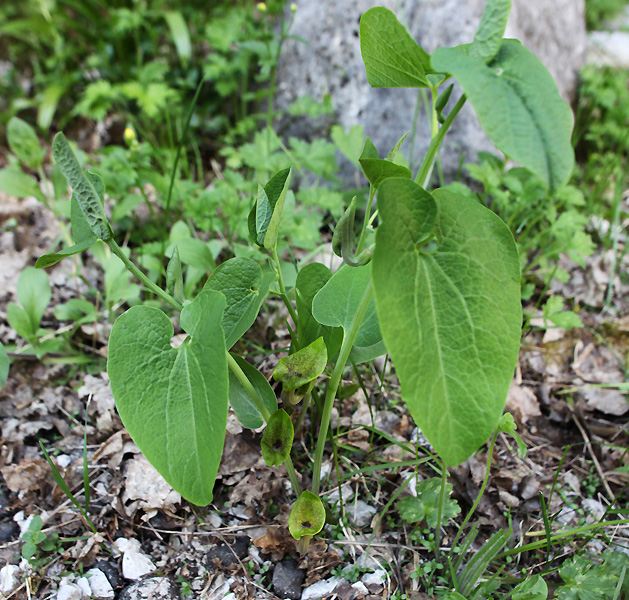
point(331, 63)
point(288, 579)
point(155, 588)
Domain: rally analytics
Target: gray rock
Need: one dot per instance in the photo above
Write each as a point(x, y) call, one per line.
point(322, 588)
point(229, 554)
point(288, 579)
point(155, 588)
point(111, 572)
point(331, 63)
point(8, 531)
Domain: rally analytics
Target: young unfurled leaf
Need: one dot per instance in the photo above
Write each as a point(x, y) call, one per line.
point(450, 315)
point(376, 169)
point(239, 399)
point(507, 425)
point(336, 304)
point(266, 213)
point(490, 30)
point(425, 507)
point(4, 365)
point(442, 101)
point(343, 240)
point(392, 57)
point(518, 105)
point(302, 367)
point(82, 187)
point(277, 439)
point(241, 281)
point(174, 276)
point(24, 143)
point(173, 401)
point(307, 517)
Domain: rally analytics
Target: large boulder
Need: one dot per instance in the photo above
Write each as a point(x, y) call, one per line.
point(331, 63)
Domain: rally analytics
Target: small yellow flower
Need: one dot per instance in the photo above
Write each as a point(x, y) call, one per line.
point(293, 7)
point(130, 137)
point(261, 6)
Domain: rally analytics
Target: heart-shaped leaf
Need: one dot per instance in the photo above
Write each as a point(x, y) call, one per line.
point(518, 105)
point(392, 57)
point(451, 316)
point(240, 281)
point(244, 407)
point(277, 439)
point(173, 401)
point(336, 304)
point(310, 280)
point(307, 517)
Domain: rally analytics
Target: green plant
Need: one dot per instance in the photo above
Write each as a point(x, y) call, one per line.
point(597, 12)
point(37, 543)
point(436, 284)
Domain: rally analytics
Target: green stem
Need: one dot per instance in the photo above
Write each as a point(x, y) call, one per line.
point(435, 142)
point(480, 493)
point(444, 482)
point(333, 384)
point(266, 415)
point(158, 291)
point(283, 295)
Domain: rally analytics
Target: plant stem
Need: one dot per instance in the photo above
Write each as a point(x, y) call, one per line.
point(333, 384)
point(158, 291)
point(444, 482)
point(435, 142)
point(283, 296)
point(480, 493)
point(264, 411)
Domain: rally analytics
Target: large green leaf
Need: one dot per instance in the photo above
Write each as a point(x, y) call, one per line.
point(450, 315)
point(392, 57)
point(173, 401)
point(488, 37)
point(82, 187)
point(244, 407)
point(240, 280)
point(336, 304)
point(518, 105)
